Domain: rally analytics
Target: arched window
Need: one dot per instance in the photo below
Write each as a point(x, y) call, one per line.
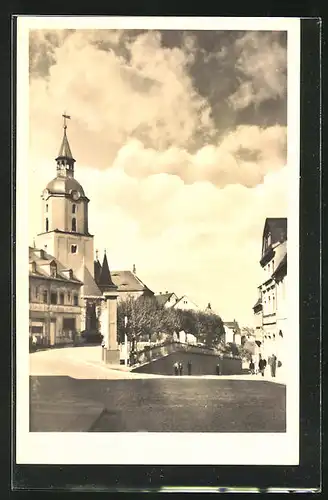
point(74, 224)
point(47, 224)
point(73, 208)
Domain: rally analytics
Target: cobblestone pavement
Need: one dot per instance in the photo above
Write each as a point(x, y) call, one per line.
point(140, 402)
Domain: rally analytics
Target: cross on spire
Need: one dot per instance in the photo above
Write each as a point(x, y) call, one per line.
point(66, 117)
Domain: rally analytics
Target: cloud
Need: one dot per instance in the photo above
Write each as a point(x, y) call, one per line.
point(244, 156)
point(148, 95)
point(261, 63)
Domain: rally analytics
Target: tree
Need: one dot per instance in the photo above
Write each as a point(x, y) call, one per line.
point(210, 328)
point(146, 318)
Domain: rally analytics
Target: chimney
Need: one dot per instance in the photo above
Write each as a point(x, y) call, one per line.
point(134, 269)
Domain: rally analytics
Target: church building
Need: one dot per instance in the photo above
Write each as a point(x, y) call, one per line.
point(66, 243)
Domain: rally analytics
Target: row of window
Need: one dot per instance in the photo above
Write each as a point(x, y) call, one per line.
point(73, 228)
point(55, 297)
point(74, 208)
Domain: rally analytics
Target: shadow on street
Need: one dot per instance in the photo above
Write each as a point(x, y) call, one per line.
point(61, 403)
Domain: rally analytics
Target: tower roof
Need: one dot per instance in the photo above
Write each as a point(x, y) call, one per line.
point(105, 279)
point(65, 185)
point(65, 150)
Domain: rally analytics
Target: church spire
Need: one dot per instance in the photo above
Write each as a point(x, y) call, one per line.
point(105, 279)
point(65, 160)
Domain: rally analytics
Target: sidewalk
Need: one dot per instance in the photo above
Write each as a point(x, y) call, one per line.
point(126, 372)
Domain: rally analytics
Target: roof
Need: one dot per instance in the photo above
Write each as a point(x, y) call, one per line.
point(90, 288)
point(42, 264)
point(277, 227)
point(281, 265)
point(105, 280)
point(65, 185)
point(162, 298)
point(184, 297)
point(258, 303)
point(97, 270)
point(65, 150)
point(126, 281)
point(232, 324)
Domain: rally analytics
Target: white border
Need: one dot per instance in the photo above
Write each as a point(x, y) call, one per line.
point(156, 448)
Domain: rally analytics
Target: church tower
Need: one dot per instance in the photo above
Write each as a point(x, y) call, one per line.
point(65, 233)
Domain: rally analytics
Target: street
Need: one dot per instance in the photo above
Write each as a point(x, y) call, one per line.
point(127, 402)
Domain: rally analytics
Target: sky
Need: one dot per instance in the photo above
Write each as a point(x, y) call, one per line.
point(180, 143)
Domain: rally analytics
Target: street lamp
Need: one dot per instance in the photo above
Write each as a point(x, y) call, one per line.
point(125, 341)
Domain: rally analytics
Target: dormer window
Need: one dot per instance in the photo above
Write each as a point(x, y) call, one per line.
point(53, 270)
point(33, 267)
point(269, 239)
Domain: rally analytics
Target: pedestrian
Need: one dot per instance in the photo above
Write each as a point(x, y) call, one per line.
point(218, 369)
point(252, 367)
point(176, 368)
point(189, 367)
point(273, 365)
point(180, 368)
point(262, 364)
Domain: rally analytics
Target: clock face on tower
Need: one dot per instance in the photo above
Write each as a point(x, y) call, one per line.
point(75, 195)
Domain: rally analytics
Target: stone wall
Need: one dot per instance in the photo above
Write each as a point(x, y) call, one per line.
point(202, 363)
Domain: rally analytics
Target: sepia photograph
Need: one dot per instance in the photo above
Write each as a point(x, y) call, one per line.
point(157, 196)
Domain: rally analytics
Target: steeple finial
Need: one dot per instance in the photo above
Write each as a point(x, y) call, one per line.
point(134, 269)
point(65, 154)
point(66, 117)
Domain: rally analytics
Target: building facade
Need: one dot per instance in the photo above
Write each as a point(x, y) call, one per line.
point(167, 299)
point(232, 333)
point(270, 310)
point(186, 304)
point(54, 300)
